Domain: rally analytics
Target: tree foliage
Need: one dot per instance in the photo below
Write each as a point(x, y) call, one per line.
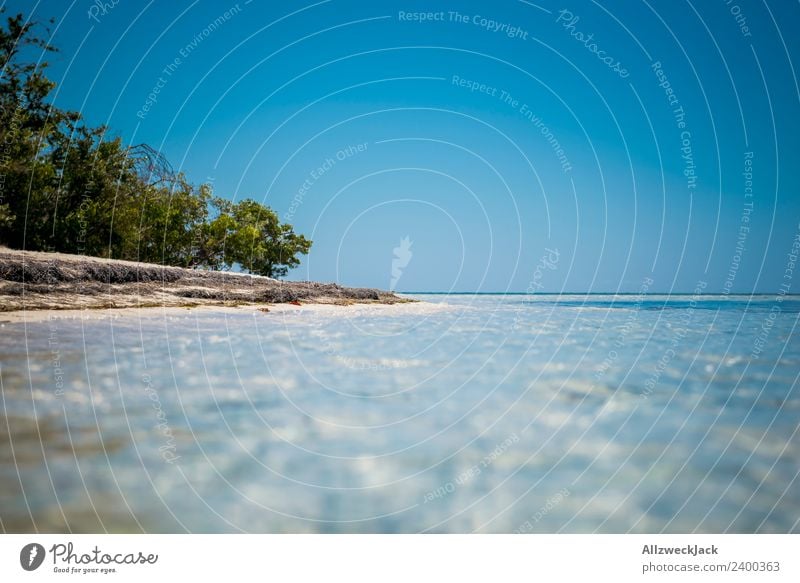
point(68, 187)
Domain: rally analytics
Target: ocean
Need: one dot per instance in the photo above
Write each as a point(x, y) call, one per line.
point(463, 413)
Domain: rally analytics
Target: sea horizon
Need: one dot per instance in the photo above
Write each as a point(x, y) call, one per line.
point(590, 293)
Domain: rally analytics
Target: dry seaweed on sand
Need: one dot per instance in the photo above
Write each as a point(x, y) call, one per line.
point(34, 280)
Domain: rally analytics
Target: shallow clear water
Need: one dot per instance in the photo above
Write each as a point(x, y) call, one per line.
point(478, 413)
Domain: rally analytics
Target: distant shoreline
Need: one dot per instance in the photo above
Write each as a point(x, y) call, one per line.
point(32, 280)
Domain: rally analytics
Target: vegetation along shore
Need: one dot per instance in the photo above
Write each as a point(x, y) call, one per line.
point(87, 221)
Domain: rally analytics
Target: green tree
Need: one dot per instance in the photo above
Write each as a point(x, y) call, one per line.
point(27, 124)
point(67, 187)
point(250, 235)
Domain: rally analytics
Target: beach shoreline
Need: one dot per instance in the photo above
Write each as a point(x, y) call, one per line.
point(32, 281)
point(169, 312)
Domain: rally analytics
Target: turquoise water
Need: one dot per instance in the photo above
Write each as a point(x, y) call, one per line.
point(467, 413)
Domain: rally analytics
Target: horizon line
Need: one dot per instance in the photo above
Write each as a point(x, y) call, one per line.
point(590, 293)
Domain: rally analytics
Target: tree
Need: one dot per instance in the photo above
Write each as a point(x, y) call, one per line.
point(27, 122)
point(250, 235)
point(67, 187)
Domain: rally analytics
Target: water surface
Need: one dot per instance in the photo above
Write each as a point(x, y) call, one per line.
point(481, 413)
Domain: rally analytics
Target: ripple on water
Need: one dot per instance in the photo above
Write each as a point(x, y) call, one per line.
point(343, 419)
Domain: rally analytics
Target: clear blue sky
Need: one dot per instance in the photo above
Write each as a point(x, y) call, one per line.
point(257, 102)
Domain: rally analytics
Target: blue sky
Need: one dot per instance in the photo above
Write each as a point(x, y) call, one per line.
point(489, 139)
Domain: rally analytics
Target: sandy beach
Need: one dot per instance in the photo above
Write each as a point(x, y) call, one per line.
point(352, 309)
